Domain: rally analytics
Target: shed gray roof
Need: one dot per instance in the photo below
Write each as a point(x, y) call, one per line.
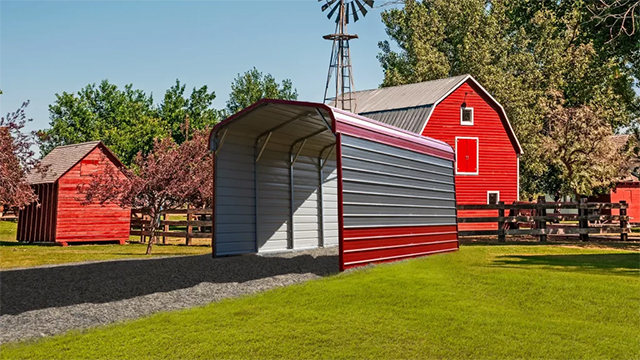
point(60, 160)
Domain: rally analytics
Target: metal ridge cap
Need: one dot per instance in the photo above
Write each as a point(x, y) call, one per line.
point(407, 135)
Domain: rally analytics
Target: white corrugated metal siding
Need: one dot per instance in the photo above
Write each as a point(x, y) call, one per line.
point(234, 187)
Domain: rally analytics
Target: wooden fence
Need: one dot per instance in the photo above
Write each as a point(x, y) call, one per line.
point(198, 225)
point(532, 219)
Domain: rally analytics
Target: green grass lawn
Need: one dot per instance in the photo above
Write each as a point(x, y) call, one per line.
point(483, 302)
point(8, 230)
point(14, 254)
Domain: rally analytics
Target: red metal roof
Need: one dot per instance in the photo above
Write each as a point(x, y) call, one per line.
point(360, 126)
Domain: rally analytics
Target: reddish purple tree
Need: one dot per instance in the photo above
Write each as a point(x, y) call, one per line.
point(16, 157)
point(170, 177)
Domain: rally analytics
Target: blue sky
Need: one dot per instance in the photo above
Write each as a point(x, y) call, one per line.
point(47, 47)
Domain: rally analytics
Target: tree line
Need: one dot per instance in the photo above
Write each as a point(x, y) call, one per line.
point(127, 120)
point(164, 146)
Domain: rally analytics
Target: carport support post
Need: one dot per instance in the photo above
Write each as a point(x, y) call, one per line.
point(291, 202)
point(320, 205)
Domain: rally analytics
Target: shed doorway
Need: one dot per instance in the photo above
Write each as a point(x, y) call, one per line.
point(275, 181)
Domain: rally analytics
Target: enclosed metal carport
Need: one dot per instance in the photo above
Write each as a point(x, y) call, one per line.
point(298, 175)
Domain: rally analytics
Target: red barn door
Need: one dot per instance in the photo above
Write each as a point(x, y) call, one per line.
point(467, 155)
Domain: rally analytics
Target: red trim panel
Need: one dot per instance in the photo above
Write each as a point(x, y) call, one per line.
point(364, 246)
point(368, 134)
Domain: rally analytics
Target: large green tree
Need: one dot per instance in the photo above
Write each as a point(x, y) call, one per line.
point(253, 85)
point(197, 108)
point(523, 52)
point(126, 120)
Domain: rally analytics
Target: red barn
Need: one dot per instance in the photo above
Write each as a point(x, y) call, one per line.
point(61, 217)
point(627, 189)
point(460, 112)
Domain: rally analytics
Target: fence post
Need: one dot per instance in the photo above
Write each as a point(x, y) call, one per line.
point(542, 223)
point(501, 237)
point(165, 229)
point(143, 228)
point(623, 223)
point(583, 223)
point(189, 227)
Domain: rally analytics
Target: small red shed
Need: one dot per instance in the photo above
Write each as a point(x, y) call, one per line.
point(627, 189)
point(60, 216)
point(460, 112)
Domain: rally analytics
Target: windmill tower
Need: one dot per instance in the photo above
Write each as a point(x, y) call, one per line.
point(340, 69)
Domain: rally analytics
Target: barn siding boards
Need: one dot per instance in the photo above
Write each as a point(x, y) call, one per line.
point(629, 192)
point(93, 222)
point(497, 158)
point(61, 216)
point(434, 107)
point(624, 191)
point(394, 180)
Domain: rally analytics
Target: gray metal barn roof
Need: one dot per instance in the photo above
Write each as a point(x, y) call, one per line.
point(405, 106)
point(406, 96)
point(409, 106)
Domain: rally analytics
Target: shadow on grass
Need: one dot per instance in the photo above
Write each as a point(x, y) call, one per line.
point(39, 288)
point(626, 245)
point(15, 243)
point(616, 263)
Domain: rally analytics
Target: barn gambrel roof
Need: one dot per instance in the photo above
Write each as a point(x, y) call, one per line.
point(63, 158)
point(410, 106)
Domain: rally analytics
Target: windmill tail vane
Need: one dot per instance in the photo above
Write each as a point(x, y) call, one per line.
point(340, 62)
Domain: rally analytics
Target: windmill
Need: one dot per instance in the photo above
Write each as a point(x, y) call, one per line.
point(340, 62)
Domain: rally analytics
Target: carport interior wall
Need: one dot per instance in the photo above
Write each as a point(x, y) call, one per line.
point(276, 182)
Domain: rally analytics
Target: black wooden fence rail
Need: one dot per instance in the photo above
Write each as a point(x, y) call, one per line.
point(510, 224)
point(141, 224)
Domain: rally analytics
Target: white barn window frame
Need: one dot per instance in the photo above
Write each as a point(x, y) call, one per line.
point(462, 120)
point(493, 192)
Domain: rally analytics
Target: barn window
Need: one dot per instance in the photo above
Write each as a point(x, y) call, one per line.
point(88, 167)
point(466, 116)
point(493, 197)
point(466, 156)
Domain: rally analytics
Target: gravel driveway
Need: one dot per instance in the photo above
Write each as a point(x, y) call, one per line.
point(50, 300)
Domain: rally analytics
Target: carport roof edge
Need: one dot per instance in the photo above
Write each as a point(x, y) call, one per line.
point(352, 124)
